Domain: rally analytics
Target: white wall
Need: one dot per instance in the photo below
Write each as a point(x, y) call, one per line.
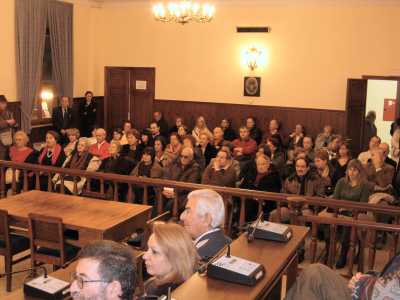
point(377, 91)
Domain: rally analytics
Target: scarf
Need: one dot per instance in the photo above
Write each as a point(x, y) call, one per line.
point(78, 162)
point(54, 157)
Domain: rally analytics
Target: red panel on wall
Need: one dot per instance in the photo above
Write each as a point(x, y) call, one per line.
point(389, 110)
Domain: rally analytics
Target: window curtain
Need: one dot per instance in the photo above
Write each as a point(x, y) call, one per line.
point(60, 25)
point(30, 27)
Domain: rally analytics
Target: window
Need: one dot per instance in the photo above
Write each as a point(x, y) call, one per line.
point(47, 93)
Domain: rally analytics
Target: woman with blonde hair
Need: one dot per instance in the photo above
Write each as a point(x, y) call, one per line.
point(73, 135)
point(201, 127)
point(171, 258)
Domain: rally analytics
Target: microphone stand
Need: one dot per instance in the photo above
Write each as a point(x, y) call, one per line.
point(26, 270)
point(250, 236)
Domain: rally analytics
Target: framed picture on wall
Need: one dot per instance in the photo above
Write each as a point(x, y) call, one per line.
point(252, 86)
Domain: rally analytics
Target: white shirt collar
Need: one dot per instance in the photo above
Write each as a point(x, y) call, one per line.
point(205, 233)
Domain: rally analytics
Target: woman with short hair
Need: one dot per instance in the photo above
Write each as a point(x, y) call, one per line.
point(73, 136)
point(171, 258)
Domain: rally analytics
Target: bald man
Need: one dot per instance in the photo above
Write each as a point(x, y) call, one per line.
point(101, 148)
point(385, 148)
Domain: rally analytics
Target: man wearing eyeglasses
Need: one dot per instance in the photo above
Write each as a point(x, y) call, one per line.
point(105, 271)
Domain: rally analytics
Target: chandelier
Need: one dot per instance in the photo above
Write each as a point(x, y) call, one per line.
point(183, 12)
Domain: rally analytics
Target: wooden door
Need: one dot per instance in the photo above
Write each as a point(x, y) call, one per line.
point(129, 95)
point(355, 112)
point(142, 96)
point(117, 97)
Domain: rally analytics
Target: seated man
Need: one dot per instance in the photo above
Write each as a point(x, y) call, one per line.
point(101, 148)
point(318, 282)
point(105, 270)
point(203, 219)
point(221, 170)
point(379, 174)
point(244, 147)
point(386, 148)
point(365, 156)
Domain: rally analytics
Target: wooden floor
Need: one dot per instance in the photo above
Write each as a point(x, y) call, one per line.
point(18, 279)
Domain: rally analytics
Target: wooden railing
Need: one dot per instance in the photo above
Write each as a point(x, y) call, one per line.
point(295, 204)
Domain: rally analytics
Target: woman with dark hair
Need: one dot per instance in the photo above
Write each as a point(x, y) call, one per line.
point(144, 169)
point(182, 131)
point(174, 147)
point(132, 151)
point(277, 155)
point(340, 163)
point(161, 157)
point(117, 136)
point(178, 123)
point(325, 171)
point(229, 133)
point(261, 175)
point(88, 114)
point(52, 154)
point(127, 126)
point(7, 123)
point(145, 138)
point(255, 132)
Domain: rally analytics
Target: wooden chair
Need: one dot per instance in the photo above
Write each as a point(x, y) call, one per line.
point(10, 245)
point(47, 241)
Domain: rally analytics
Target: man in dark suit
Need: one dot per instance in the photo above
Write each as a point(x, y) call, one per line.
point(88, 114)
point(62, 119)
point(159, 119)
point(203, 218)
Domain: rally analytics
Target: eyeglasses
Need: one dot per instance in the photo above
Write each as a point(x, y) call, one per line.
point(80, 281)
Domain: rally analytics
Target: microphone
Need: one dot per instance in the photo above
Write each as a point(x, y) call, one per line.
point(26, 270)
point(250, 236)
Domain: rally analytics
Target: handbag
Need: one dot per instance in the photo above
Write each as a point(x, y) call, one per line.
point(6, 137)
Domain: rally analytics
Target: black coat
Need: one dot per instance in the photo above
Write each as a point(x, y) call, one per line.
point(88, 117)
point(211, 243)
point(271, 182)
point(60, 121)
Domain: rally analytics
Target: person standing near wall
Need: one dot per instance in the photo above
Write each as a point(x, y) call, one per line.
point(88, 114)
point(7, 122)
point(369, 129)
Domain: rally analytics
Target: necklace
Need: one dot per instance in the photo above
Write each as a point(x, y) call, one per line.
point(49, 155)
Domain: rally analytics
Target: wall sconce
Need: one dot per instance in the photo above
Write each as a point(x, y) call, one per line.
point(252, 58)
point(47, 95)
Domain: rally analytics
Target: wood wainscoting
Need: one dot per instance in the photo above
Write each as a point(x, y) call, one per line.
point(312, 119)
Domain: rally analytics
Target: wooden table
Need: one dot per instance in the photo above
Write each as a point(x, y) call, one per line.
point(278, 259)
point(92, 219)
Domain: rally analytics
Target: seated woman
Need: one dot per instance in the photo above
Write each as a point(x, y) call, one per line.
point(174, 147)
point(206, 148)
point(51, 155)
point(171, 258)
point(201, 127)
point(20, 153)
point(221, 171)
point(255, 132)
point(117, 136)
point(340, 163)
point(126, 126)
point(116, 164)
point(161, 158)
point(260, 175)
point(132, 151)
point(229, 133)
point(73, 136)
point(296, 137)
point(178, 123)
point(144, 169)
point(353, 187)
point(182, 131)
point(79, 160)
point(145, 138)
point(277, 155)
